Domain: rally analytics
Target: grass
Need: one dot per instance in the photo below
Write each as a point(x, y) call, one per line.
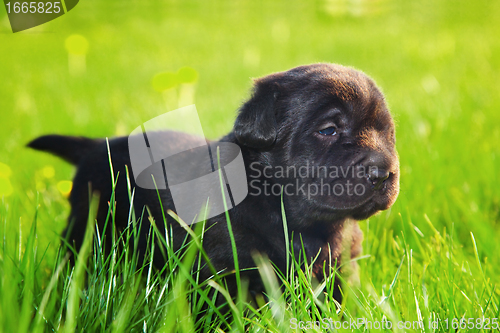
point(434, 254)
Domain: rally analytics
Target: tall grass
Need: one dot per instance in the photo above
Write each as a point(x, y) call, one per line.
point(436, 287)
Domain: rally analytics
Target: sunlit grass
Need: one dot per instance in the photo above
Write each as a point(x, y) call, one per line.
point(434, 254)
point(436, 284)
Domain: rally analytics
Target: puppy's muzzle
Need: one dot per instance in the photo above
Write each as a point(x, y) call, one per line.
point(377, 168)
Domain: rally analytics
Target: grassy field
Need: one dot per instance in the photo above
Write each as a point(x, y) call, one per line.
point(433, 256)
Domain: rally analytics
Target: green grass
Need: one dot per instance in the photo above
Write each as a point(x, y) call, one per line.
point(434, 254)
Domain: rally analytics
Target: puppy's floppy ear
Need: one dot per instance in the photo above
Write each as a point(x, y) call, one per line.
point(256, 125)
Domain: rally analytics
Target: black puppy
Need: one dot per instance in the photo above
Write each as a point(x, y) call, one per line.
point(321, 134)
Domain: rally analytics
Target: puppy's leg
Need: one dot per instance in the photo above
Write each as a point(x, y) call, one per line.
point(74, 234)
point(352, 238)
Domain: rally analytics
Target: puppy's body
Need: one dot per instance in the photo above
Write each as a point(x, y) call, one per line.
point(287, 123)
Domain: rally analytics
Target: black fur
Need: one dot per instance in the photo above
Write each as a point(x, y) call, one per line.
point(256, 123)
point(69, 148)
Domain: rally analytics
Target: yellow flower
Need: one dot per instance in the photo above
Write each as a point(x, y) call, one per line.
point(64, 186)
point(48, 171)
point(5, 170)
point(6, 188)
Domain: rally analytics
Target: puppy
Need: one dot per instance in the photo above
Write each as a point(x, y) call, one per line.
point(318, 138)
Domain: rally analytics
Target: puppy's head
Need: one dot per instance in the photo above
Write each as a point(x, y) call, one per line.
point(324, 134)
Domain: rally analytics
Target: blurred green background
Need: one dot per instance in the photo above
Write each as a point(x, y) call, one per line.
point(436, 61)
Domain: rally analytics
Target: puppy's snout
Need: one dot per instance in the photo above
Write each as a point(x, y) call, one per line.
point(376, 169)
point(378, 176)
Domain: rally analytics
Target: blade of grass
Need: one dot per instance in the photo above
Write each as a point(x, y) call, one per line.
point(78, 276)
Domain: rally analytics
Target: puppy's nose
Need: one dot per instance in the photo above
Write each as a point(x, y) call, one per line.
point(376, 169)
point(377, 176)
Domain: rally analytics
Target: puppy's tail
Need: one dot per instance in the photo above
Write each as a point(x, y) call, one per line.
point(70, 148)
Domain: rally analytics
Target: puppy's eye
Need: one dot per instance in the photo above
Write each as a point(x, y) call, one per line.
point(328, 131)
